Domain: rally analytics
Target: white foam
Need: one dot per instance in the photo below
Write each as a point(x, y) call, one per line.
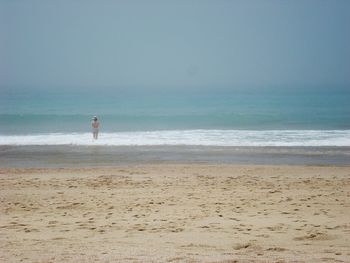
point(190, 137)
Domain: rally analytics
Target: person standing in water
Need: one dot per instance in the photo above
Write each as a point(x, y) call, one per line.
point(95, 126)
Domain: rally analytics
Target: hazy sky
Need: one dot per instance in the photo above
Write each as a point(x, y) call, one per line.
point(174, 44)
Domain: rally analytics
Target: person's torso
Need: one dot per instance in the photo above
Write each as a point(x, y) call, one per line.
point(95, 124)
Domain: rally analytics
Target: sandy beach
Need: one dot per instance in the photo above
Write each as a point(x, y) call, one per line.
point(176, 213)
point(174, 131)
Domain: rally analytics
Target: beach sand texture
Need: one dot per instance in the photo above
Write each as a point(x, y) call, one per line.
point(176, 213)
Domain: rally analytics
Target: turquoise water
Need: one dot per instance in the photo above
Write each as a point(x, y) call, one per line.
point(197, 114)
point(30, 113)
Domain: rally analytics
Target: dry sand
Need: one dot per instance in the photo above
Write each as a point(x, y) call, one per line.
point(176, 213)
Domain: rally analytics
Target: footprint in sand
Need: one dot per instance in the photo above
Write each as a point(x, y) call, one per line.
point(315, 236)
point(241, 246)
point(279, 249)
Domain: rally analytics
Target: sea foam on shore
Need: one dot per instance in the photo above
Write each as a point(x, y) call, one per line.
point(189, 137)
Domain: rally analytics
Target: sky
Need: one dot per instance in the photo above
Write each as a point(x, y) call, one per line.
point(170, 45)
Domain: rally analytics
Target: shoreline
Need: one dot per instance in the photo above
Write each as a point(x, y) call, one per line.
point(101, 156)
point(175, 213)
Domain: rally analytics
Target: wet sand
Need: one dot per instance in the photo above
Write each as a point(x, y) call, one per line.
point(176, 213)
point(73, 156)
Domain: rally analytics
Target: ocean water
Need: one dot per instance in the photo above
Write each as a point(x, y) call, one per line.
point(176, 118)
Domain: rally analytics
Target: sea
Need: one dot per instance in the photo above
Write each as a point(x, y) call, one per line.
point(53, 128)
point(209, 119)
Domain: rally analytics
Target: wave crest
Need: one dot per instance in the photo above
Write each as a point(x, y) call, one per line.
point(189, 137)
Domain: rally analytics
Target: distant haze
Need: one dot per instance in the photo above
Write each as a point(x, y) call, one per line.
point(172, 45)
